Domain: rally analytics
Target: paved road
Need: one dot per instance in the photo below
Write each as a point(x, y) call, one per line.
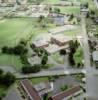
point(91, 72)
point(96, 3)
point(51, 72)
point(13, 94)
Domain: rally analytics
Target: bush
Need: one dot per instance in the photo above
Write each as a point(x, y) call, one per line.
point(31, 69)
point(51, 78)
point(65, 87)
point(1, 71)
point(17, 50)
point(4, 49)
point(24, 59)
point(7, 79)
point(44, 60)
point(63, 52)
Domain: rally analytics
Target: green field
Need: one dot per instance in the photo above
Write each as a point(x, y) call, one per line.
point(11, 30)
point(38, 80)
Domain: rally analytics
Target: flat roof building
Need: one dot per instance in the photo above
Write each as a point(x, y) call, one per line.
point(52, 48)
point(31, 92)
point(40, 43)
point(60, 39)
point(67, 94)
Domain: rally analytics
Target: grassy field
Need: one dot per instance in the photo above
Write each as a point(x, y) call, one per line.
point(38, 80)
point(69, 9)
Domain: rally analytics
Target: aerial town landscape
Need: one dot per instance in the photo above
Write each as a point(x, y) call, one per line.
point(48, 50)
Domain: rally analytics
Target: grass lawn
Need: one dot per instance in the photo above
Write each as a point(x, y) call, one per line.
point(73, 32)
point(58, 58)
point(3, 90)
point(69, 9)
point(10, 60)
point(38, 80)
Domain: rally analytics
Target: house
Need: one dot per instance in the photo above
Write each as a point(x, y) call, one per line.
point(66, 95)
point(43, 87)
point(60, 39)
point(40, 43)
point(29, 90)
point(95, 56)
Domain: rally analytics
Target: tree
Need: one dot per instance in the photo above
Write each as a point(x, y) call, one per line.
point(56, 10)
point(40, 18)
point(71, 59)
point(1, 71)
point(4, 49)
point(45, 96)
point(65, 87)
point(23, 58)
point(19, 49)
point(23, 42)
point(50, 9)
point(71, 17)
point(92, 12)
point(72, 47)
point(8, 79)
point(86, 5)
point(31, 69)
point(44, 59)
point(63, 52)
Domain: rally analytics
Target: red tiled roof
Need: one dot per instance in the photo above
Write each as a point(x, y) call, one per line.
point(30, 90)
point(65, 94)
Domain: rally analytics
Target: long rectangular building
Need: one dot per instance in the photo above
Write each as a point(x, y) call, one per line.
point(30, 91)
point(66, 95)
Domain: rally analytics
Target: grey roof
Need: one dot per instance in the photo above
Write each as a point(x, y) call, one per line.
point(95, 55)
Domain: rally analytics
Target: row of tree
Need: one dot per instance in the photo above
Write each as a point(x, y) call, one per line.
point(17, 50)
point(34, 69)
point(73, 45)
point(6, 78)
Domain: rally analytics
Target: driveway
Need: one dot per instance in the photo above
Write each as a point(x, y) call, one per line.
point(65, 80)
